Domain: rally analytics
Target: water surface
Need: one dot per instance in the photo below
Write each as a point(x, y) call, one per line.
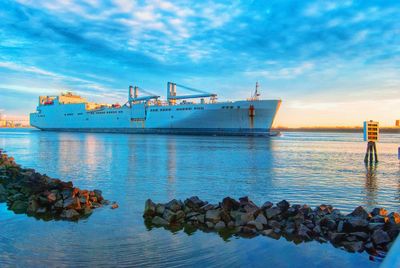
point(310, 168)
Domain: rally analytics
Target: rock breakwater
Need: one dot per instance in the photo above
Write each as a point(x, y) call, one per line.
point(27, 191)
point(360, 230)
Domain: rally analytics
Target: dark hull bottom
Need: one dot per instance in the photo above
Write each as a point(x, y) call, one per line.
point(183, 131)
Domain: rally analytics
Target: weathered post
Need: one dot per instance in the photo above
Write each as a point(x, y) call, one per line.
point(371, 135)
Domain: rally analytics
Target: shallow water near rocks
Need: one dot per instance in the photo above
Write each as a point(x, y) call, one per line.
point(311, 168)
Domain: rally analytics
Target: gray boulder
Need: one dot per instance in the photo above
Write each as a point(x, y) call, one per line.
point(213, 216)
point(261, 219)
point(380, 237)
point(259, 226)
point(283, 205)
point(19, 206)
point(354, 246)
point(272, 212)
point(70, 214)
point(220, 225)
point(169, 216)
point(160, 208)
point(359, 212)
point(194, 203)
point(159, 221)
point(149, 208)
point(174, 205)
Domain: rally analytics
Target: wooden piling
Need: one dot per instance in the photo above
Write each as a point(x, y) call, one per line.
point(371, 155)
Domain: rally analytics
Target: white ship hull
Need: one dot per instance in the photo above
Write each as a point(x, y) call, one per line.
point(224, 118)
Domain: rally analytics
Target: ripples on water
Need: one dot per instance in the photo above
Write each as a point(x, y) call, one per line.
point(310, 168)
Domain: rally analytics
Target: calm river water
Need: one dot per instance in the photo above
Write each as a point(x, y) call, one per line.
point(310, 168)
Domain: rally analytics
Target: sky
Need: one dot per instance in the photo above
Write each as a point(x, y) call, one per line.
point(333, 63)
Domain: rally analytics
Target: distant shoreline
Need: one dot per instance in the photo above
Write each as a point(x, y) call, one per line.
point(334, 129)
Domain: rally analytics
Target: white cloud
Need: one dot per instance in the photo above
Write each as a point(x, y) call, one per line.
point(282, 73)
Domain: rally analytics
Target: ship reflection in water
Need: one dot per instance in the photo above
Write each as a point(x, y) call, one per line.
point(300, 167)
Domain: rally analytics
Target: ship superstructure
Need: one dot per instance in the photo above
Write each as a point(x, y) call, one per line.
point(148, 114)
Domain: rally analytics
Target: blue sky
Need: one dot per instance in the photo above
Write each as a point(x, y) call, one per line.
point(332, 63)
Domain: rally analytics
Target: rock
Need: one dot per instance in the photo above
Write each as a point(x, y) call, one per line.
point(159, 221)
point(261, 219)
point(33, 206)
point(274, 224)
point(229, 204)
point(380, 237)
point(59, 204)
point(231, 224)
point(213, 216)
point(19, 206)
point(256, 225)
point(267, 232)
point(191, 215)
point(70, 203)
point(394, 218)
point(169, 215)
point(98, 193)
point(354, 246)
point(378, 219)
point(3, 193)
point(220, 225)
point(337, 238)
point(360, 235)
point(201, 218)
point(206, 207)
point(242, 218)
point(244, 200)
point(70, 214)
point(225, 216)
point(66, 193)
point(327, 222)
point(267, 205)
point(369, 247)
point(51, 198)
point(41, 210)
point(194, 203)
point(327, 209)
point(359, 212)
point(283, 205)
point(304, 232)
point(317, 230)
point(374, 226)
point(210, 225)
point(160, 209)
point(272, 212)
point(87, 211)
point(379, 212)
point(149, 209)
point(250, 208)
point(174, 205)
point(180, 215)
point(356, 224)
point(248, 230)
point(292, 211)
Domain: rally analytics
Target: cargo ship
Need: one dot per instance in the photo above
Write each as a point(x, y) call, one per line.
point(198, 113)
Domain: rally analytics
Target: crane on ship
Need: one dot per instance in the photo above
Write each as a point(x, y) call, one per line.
point(133, 95)
point(172, 97)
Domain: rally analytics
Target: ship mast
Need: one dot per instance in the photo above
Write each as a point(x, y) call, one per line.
point(256, 94)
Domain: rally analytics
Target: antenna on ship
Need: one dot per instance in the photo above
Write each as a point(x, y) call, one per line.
point(256, 93)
